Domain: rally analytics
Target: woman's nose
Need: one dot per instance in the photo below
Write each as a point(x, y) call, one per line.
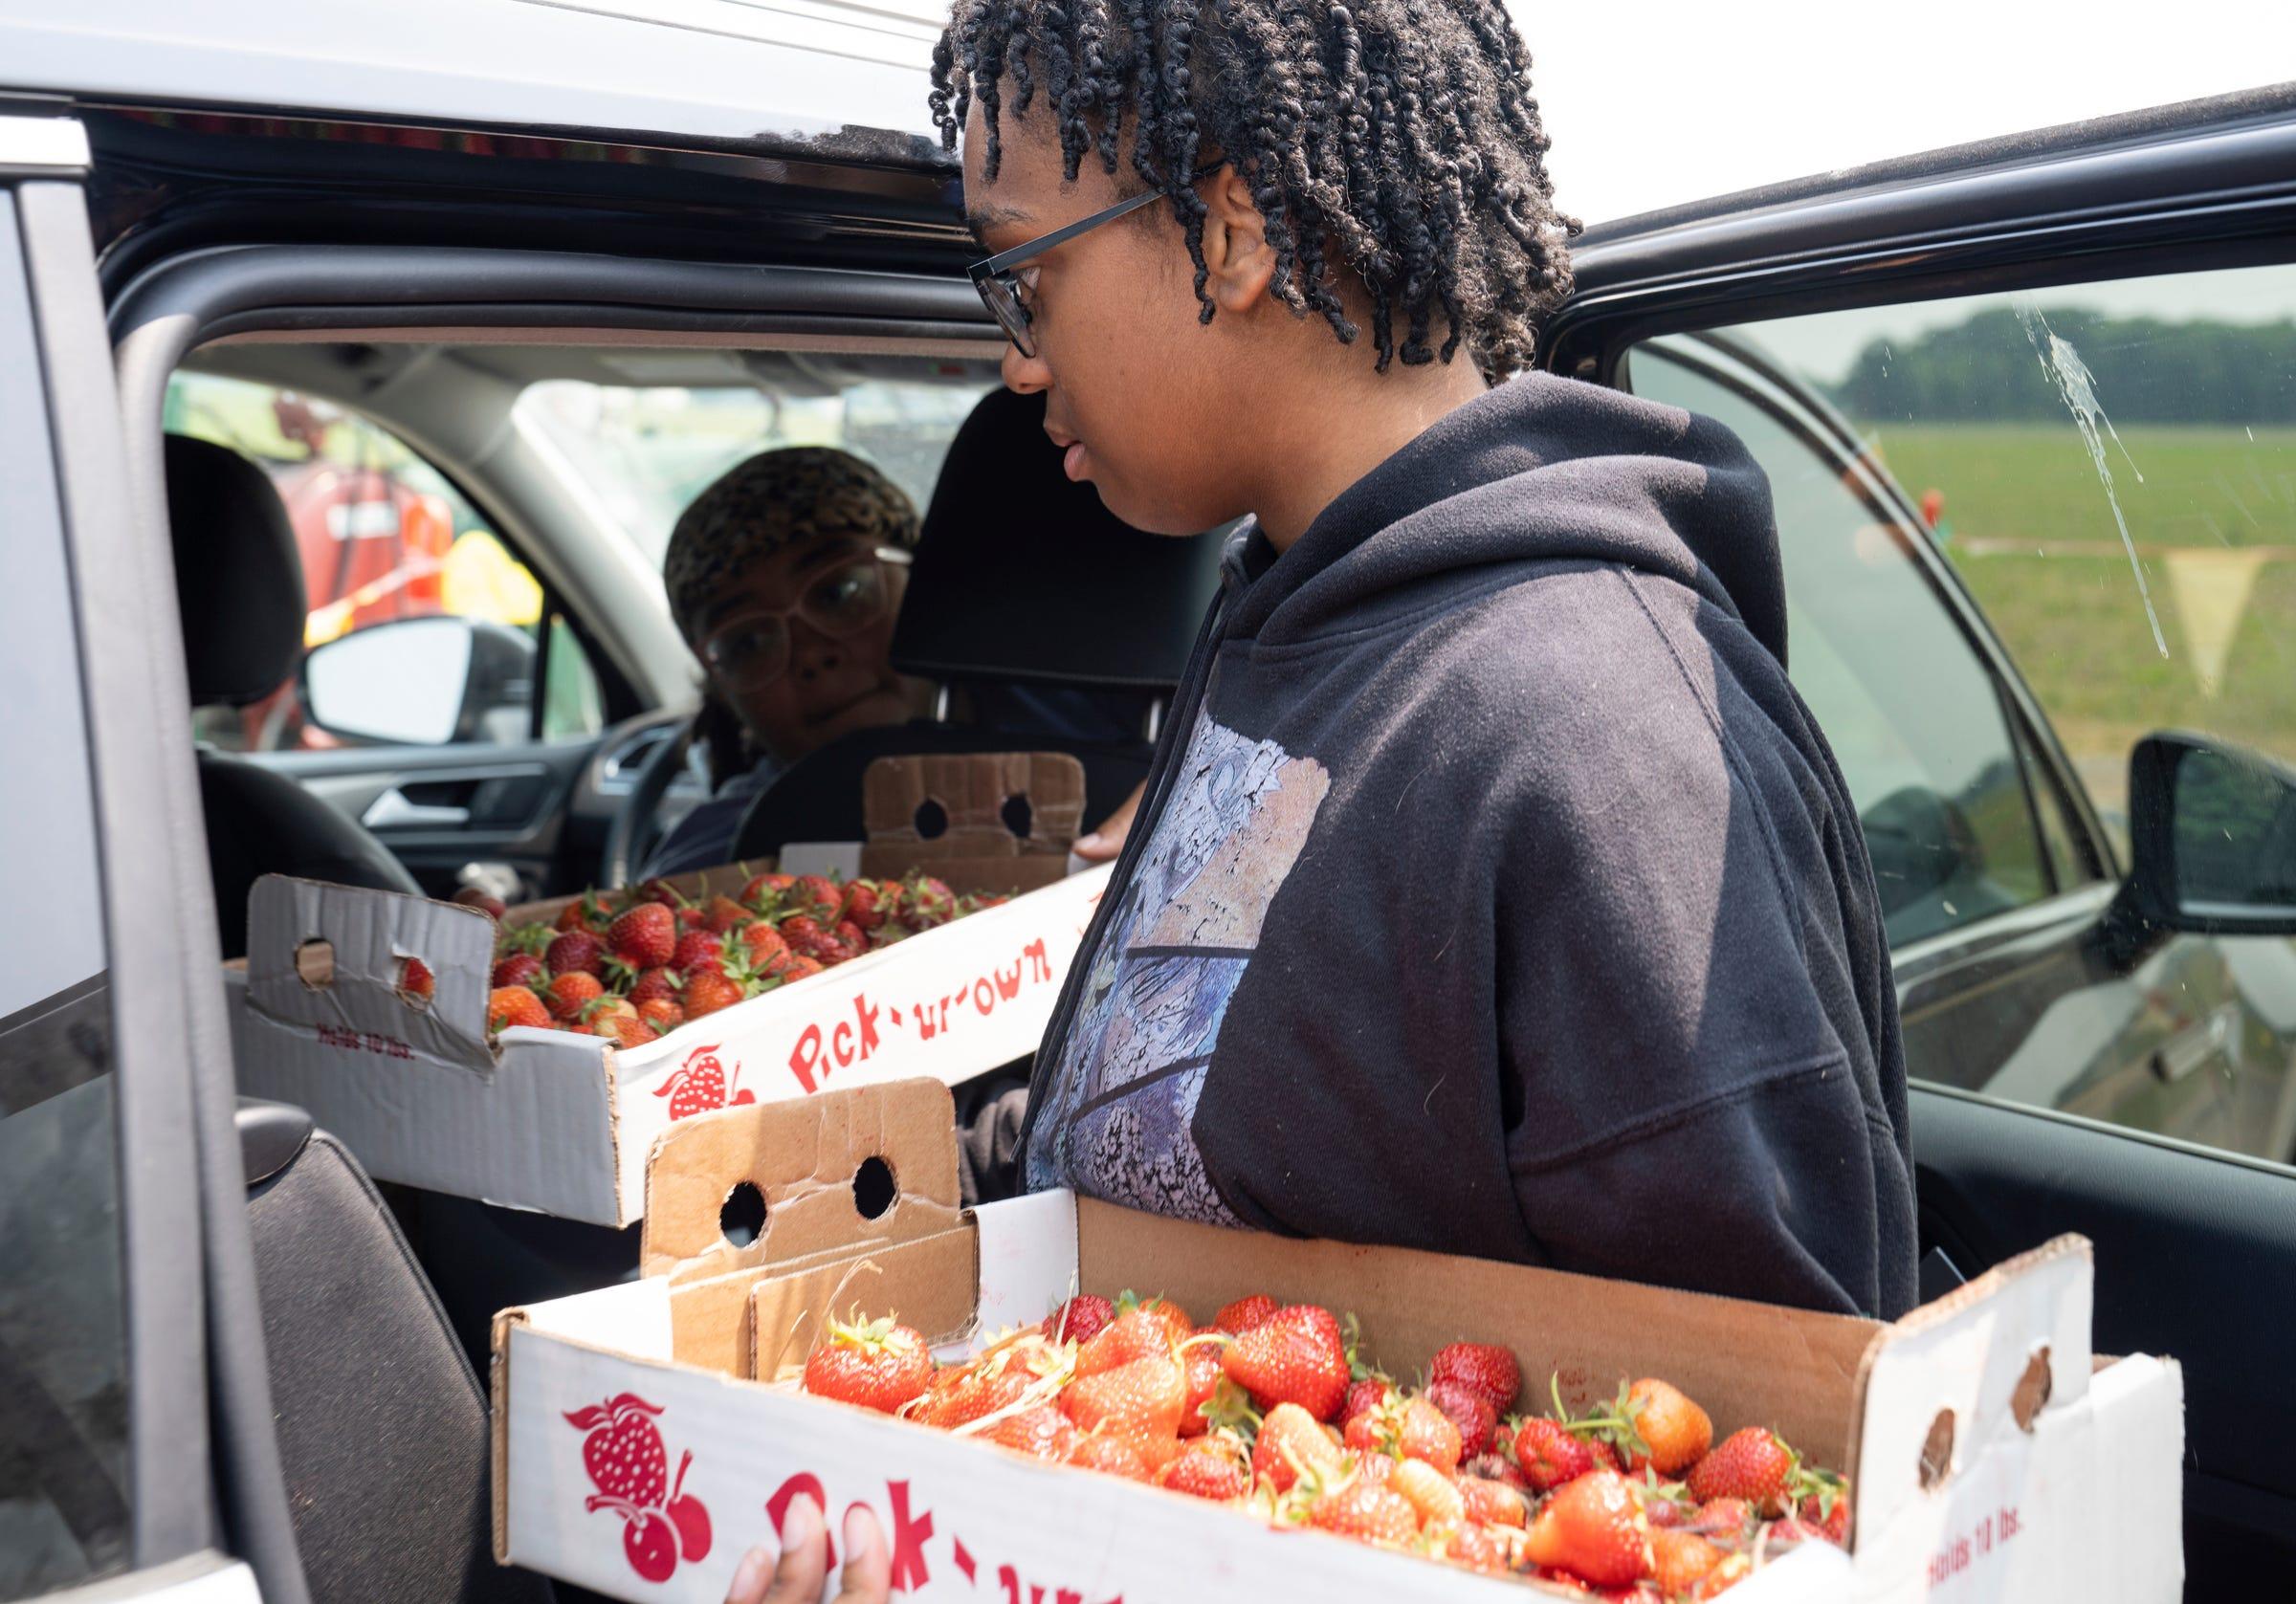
point(1025, 375)
point(811, 654)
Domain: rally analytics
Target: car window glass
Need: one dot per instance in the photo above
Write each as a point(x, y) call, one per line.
point(63, 1378)
point(647, 449)
point(2111, 470)
point(1913, 717)
point(384, 536)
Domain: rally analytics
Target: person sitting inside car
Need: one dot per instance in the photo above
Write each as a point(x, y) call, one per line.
point(785, 578)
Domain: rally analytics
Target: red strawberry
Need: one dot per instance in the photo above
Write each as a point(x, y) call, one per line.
point(863, 907)
point(529, 937)
point(1367, 1394)
point(1080, 1319)
point(763, 943)
point(1205, 1375)
point(1432, 1494)
point(586, 912)
point(878, 1365)
point(1751, 1465)
point(1496, 1466)
point(1290, 1442)
point(1135, 1333)
point(1680, 1560)
point(696, 951)
point(816, 894)
point(662, 1014)
point(1110, 1456)
point(1411, 1428)
point(926, 902)
point(1828, 1515)
point(1481, 1368)
point(1727, 1519)
point(625, 1031)
point(689, 917)
point(807, 936)
point(519, 968)
point(577, 951)
point(415, 979)
point(765, 886)
point(1549, 1455)
point(708, 990)
point(1594, 1528)
point(1469, 1411)
point(661, 891)
point(851, 937)
point(1367, 1513)
point(486, 902)
point(1493, 1502)
point(1476, 1549)
point(1245, 1313)
point(697, 1084)
point(1295, 1355)
point(1209, 1467)
point(796, 966)
point(570, 994)
point(1139, 1403)
point(1671, 1434)
point(509, 1005)
point(623, 1450)
point(1042, 1432)
point(999, 1380)
point(655, 983)
point(645, 937)
point(723, 913)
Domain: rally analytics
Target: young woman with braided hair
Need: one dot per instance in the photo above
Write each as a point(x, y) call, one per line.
point(1492, 892)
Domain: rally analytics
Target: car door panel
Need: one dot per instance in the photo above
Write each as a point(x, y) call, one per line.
point(2189, 1250)
point(438, 808)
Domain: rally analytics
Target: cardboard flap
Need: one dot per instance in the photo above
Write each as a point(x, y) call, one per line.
point(813, 1162)
point(1973, 1373)
point(331, 957)
point(962, 807)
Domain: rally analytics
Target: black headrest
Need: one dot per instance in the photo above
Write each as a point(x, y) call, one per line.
point(238, 578)
point(1023, 575)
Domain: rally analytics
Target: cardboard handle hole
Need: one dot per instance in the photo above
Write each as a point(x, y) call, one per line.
point(416, 983)
point(1937, 1451)
point(741, 1217)
point(1018, 814)
point(2031, 1395)
point(931, 818)
point(875, 1188)
point(315, 962)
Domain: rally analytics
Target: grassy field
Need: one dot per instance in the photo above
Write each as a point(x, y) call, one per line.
point(2032, 536)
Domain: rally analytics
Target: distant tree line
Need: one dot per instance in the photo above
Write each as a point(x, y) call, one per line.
point(2144, 369)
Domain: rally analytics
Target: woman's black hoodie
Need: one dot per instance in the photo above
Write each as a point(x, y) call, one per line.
point(1496, 894)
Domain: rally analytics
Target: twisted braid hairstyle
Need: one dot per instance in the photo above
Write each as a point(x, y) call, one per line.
point(1396, 140)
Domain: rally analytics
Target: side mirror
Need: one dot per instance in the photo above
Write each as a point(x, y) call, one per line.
point(2214, 833)
point(421, 682)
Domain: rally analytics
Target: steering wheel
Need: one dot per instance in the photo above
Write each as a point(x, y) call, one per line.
point(632, 830)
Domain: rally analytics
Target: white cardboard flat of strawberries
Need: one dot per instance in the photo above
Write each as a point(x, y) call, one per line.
point(561, 1123)
point(632, 1455)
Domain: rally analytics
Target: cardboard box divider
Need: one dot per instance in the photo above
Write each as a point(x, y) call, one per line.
point(2005, 1359)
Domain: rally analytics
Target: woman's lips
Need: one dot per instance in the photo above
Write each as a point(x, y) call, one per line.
point(1072, 461)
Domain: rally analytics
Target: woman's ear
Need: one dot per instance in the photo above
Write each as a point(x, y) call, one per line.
point(1236, 255)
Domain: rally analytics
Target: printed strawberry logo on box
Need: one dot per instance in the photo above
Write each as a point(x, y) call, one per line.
point(622, 1450)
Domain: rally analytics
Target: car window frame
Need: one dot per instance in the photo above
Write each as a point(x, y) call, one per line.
point(1805, 417)
point(145, 891)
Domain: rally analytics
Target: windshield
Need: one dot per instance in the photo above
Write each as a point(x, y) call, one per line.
point(647, 450)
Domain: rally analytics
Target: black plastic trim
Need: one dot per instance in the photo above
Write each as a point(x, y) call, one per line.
point(237, 288)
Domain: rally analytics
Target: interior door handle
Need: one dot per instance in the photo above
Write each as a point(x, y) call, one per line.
point(391, 810)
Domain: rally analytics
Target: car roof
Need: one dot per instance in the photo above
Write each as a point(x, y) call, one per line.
point(834, 79)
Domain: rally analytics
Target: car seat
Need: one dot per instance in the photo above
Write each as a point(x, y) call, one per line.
point(239, 588)
point(382, 1423)
point(1060, 627)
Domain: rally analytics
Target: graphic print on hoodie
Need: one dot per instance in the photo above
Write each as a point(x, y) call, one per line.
point(1565, 948)
point(1168, 962)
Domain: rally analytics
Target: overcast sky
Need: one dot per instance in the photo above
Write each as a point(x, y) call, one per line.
point(1664, 103)
point(1653, 103)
